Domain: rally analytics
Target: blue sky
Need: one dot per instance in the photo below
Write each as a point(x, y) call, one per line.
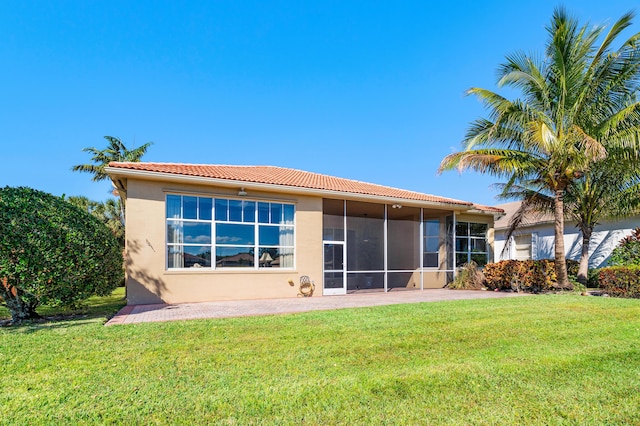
point(365, 90)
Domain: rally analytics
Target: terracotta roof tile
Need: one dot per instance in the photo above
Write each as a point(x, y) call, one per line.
point(491, 209)
point(285, 177)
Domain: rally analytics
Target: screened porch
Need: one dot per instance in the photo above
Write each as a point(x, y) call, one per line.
point(394, 247)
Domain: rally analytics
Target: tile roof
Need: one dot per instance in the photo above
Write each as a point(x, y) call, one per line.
point(284, 177)
point(491, 209)
point(530, 219)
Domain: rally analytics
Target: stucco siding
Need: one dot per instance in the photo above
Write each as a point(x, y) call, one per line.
point(149, 281)
point(604, 239)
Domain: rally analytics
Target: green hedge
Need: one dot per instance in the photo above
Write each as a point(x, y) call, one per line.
point(621, 281)
point(53, 253)
point(534, 276)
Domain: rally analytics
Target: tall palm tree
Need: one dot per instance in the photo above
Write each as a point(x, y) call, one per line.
point(577, 100)
point(115, 151)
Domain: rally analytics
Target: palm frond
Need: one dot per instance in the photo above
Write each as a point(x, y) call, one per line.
point(115, 151)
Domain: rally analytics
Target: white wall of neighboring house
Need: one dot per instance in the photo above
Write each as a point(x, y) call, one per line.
point(536, 241)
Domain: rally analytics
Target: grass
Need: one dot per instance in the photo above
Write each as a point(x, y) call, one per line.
point(94, 307)
point(533, 360)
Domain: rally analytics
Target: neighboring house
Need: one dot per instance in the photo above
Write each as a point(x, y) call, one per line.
point(212, 232)
point(534, 239)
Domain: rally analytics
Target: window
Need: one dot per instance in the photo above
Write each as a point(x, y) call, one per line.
point(204, 232)
point(471, 243)
point(522, 245)
point(431, 240)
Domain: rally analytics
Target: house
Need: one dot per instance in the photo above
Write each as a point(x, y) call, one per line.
point(535, 238)
point(218, 232)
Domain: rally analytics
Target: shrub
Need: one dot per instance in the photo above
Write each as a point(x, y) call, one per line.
point(469, 277)
point(628, 250)
point(578, 287)
point(621, 281)
point(52, 253)
point(532, 276)
point(592, 278)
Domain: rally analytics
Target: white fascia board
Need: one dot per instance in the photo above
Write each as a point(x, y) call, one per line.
point(115, 172)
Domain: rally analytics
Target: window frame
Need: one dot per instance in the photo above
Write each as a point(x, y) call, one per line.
point(285, 247)
point(470, 241)
point(426, 237)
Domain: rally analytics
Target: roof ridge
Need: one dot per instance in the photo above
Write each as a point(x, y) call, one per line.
point(171, 163)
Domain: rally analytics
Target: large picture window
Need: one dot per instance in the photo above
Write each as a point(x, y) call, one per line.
point(471, 243)
point(203, 232)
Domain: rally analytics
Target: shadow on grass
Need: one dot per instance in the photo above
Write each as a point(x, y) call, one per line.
point(44, 324)
point(95, 307)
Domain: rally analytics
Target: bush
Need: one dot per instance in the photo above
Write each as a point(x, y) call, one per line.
point(533, 276)
point(592, 278)
point(52, 253)
point(628, 251)
point(469, 277)
point(621, 281)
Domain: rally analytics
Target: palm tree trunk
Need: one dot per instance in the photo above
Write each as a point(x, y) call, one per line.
point(583, 270)
point(560, 260)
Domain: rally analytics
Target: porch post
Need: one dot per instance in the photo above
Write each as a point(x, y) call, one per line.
point(386, 223)
point(421, 230)
point(453, 247)
point(344, 246)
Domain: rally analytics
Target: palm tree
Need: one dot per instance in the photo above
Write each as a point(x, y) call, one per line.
point(83, 203)
point(115, 151)
point(108, 212)
point(610, 189)
point(578, 100)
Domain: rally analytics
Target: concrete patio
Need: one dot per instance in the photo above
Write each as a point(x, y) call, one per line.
point(133, 314)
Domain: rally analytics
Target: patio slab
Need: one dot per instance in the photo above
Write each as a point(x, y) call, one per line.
point(133, 314)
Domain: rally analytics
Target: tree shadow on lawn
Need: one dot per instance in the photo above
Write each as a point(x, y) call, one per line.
point(51, 323)
point(95, 307)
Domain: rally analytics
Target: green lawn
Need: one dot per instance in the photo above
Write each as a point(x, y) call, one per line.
point(95, 307)
point(531, 360)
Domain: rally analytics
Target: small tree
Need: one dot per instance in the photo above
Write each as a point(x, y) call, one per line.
point(52, 252)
